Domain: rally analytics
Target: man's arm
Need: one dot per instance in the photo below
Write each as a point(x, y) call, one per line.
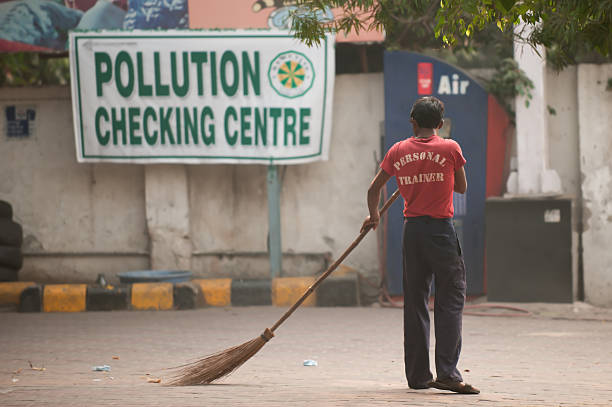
point(376, 186)
point(460, 181)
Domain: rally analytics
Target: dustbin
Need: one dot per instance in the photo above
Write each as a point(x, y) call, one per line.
point(529, 249)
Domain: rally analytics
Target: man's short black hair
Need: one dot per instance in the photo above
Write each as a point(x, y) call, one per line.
point(428, 112)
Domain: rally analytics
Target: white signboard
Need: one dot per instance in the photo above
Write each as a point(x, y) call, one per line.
point(201, 97)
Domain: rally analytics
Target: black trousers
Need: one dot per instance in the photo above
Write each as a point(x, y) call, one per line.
point(431, 248)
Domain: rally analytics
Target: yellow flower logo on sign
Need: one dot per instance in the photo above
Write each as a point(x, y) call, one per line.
point(291, 74)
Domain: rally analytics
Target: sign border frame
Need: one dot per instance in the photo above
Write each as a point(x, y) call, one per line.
point(78, 35)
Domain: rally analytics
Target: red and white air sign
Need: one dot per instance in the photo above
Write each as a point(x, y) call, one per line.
point(425, 78)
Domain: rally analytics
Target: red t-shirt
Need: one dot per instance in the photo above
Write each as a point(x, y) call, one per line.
point(425, 172)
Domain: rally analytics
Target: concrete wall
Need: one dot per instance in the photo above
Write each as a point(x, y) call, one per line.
point(78, 220)
point(564, 147)
point(595, 102)
point(545, 147)
point(532, 124)
point(576, 110)
point(83, 219)
point(563, 128)
point(322, 204)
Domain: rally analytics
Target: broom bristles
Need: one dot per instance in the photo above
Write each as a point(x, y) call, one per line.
point(220, 364)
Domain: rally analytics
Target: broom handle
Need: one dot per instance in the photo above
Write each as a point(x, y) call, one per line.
point(331, 268)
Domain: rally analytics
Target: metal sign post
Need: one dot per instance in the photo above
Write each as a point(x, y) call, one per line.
point(274, 233)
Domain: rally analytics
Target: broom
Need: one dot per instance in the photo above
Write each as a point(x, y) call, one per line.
point(218, 365)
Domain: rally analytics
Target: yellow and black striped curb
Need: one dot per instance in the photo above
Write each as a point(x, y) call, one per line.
point(10, 292)
point(33, 297)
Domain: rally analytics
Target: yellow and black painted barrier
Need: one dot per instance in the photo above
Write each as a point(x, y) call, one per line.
point(10, 292)
point(32, 297)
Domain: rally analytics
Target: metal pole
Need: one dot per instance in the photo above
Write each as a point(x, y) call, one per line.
point(274, 230)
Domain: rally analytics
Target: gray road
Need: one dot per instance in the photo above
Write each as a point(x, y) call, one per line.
point(514, 361)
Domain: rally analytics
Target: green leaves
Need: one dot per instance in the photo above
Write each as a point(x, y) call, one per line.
point(508, 82)
point(506, 5)
point(31, 69)
point(569, 28)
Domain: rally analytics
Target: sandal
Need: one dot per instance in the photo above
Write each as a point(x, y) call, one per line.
point(457, 387)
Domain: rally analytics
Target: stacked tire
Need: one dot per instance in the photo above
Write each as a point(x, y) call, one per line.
point(11, 238)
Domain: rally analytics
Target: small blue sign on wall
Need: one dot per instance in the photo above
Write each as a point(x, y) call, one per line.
point(19, 121)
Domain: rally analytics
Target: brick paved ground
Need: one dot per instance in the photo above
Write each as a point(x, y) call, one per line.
point(535, 361)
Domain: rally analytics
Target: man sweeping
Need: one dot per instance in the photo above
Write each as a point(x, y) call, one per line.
point(428, 169)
